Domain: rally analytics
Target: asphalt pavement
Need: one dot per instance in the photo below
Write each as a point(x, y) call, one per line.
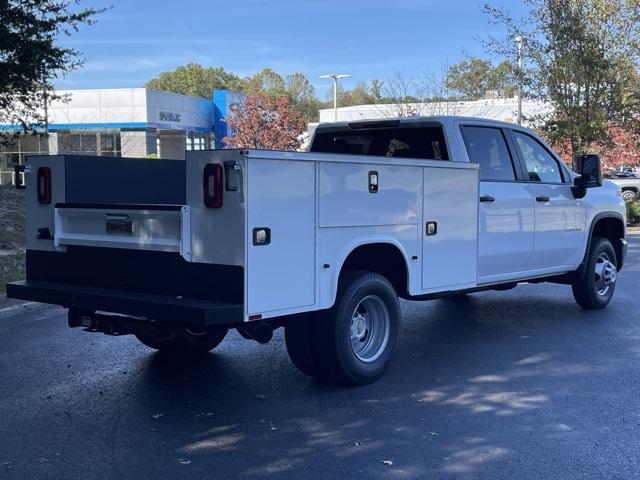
point(519, 384)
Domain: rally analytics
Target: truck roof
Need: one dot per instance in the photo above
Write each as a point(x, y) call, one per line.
point(393, 122)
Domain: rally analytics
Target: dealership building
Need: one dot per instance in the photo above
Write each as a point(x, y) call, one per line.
point(130, 122)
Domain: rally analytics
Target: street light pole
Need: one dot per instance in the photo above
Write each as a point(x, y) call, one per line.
point(519, 41)
point(335, 77)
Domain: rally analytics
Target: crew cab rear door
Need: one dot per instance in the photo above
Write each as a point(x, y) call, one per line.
point(506, 213)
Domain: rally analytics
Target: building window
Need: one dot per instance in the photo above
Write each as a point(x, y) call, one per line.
point(108, 143)
point(14, 150)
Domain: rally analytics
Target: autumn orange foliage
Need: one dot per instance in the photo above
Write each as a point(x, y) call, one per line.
point(624, 151)
point(265, 122)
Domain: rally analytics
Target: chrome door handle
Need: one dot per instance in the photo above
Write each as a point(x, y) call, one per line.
point(487, 198)
point(542, 198)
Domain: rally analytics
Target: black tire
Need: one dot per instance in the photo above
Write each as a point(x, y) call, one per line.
point(595, 289)
point(186, 342)
point(363, 297)
point(298, 337)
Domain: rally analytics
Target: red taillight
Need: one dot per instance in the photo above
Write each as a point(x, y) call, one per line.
point(212, 187)
point(44, 185)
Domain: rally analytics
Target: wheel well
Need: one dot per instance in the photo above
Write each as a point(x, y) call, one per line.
point(383, 258)
point(613, 230)
point(633, 189)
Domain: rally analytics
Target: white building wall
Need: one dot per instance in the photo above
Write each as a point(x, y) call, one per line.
point(504, 109)
point(98, 106)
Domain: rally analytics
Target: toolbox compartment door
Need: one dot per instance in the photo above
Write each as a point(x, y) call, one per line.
point(450, 229)
point(281, 198)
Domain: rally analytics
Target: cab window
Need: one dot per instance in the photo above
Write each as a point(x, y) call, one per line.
point(405, 142)
point(540, 165)
point(487, 147)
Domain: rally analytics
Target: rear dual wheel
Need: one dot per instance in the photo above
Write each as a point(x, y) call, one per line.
point(353, 342)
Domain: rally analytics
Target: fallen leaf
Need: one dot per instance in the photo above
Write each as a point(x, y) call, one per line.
point(388, 463)
point(156, 416)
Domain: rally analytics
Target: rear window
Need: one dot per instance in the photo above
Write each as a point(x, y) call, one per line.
point(417, 142)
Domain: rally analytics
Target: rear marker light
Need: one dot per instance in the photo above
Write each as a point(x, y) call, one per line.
point(44, 185)
point(212, 185)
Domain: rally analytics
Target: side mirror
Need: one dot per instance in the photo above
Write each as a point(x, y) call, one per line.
point(590, 169)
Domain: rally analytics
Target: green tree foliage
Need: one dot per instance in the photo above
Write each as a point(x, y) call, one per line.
point(474, 78)
point(582, 57)
point(31, 56)
point(266, 81)
point(298, 87)
point(303, 96)
point(376, 91)
point(195, 80)
point(359, 95)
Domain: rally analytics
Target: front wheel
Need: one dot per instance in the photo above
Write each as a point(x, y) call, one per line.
point(186, 342)
point(598, 283)
point(355, 339)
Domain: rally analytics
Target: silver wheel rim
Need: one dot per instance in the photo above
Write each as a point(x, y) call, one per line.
point(370, 325)
point(605, 273)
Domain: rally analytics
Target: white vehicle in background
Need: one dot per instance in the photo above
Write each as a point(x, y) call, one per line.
point(322, 243)
point(628, 182)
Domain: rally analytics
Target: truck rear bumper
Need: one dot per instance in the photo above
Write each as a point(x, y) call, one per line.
point(162, 309)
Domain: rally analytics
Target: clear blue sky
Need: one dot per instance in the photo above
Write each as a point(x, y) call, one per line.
point(137, 39)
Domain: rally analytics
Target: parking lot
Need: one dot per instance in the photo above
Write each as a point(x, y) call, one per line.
point(518, 384)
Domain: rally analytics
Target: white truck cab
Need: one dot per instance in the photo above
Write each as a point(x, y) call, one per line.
point(322, 243)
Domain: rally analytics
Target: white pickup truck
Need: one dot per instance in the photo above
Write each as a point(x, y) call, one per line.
point(322, 243)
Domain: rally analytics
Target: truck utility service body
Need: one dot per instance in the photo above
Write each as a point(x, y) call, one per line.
point(251, 239)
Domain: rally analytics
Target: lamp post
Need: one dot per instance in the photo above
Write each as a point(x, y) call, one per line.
point(519, 42)
point(335, 77)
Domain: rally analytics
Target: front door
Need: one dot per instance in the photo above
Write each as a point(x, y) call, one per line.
point(557, 236)
point(506, 228)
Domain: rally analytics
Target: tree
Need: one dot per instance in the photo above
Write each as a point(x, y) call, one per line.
point(266, 81)
point(376, 90)
point(31, 56)
point(302, 94)
point(195, 80)
point(266, 122)
point(582, 59)
point(359, 95)
point(472, 79)
point(427, 94)
point(298, 87)
point(624, 151)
